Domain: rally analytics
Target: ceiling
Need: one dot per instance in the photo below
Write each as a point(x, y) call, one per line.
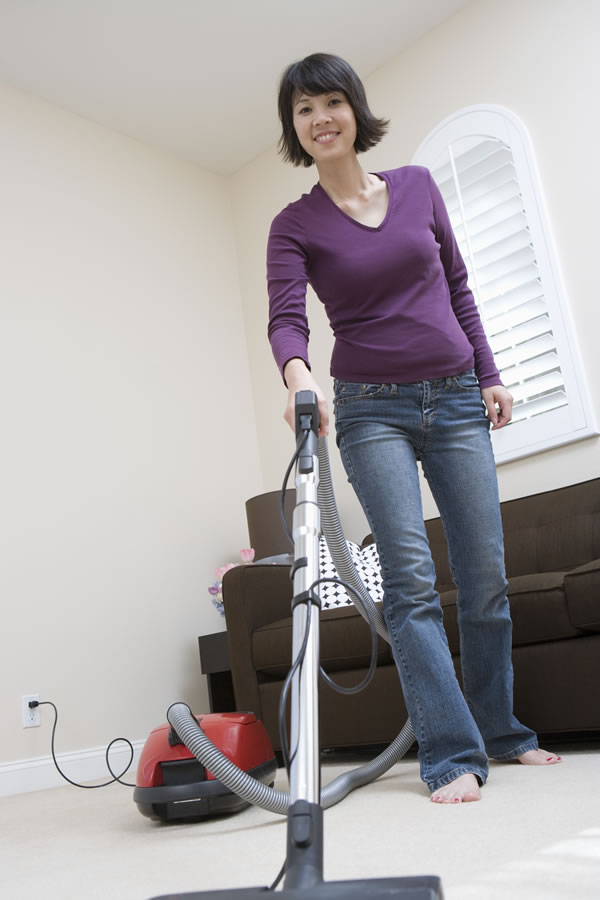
point(192, 77)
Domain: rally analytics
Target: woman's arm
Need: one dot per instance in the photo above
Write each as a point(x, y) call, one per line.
point(461, 297)
point(498, 401)
point(287, 278)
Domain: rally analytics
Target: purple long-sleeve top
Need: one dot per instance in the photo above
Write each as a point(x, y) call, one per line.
point(396, 295)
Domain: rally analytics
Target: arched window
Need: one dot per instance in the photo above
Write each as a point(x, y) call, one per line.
point(482, 161)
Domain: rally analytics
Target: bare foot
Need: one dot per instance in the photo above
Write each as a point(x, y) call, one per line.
point(462, 790)
point(539, 758)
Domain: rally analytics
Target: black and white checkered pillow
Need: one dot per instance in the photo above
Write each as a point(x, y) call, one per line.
point(368, 567)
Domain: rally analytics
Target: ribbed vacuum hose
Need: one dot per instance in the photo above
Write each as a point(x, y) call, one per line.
point(332, 529)
point(248, 788)
point(341, 786)
point(245, 786)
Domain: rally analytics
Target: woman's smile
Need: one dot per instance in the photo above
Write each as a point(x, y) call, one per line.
point(327, 137)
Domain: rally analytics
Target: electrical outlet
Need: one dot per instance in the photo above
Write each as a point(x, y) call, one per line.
point(31, 717)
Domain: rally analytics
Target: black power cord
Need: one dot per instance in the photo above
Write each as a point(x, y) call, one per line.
point(282, 872)
point(354, 689)
point(300, 442)
point(88, 787)
point(298, 663)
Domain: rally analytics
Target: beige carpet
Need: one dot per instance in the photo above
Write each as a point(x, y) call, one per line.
point(534, 836)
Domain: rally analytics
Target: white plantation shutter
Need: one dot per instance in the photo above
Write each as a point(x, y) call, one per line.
point(482, 193)
point(482, 162)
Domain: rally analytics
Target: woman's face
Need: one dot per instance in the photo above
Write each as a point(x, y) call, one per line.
point(325, 125)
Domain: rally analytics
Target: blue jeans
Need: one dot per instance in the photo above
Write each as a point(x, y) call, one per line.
point(382, 431)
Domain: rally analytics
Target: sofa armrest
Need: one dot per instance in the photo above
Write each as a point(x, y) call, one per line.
point(582, 590)
point(252, 596)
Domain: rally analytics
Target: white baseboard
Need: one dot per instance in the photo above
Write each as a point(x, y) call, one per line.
point(40, 773)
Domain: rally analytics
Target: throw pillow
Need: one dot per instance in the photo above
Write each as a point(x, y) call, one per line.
point(367, 564)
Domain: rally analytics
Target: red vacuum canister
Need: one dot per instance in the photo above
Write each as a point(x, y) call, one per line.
point(172, 784)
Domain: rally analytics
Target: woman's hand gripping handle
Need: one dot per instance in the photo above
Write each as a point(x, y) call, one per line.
point(298, 378)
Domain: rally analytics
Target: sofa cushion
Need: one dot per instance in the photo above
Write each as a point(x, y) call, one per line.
point(582, 589)
point(345, 643)
point(538, 608)
point(539, 612)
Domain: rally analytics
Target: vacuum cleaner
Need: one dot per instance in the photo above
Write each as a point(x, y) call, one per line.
point(305, 802)
point(172, 784)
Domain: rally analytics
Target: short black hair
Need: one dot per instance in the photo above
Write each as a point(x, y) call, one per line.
point(322, 73)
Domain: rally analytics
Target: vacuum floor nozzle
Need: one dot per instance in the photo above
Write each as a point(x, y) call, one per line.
point(422, 887)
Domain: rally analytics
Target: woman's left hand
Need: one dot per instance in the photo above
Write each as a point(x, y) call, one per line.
point(498, 403)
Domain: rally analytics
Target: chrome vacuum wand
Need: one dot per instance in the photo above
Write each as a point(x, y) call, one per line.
point(304, 860)
point(304, 864)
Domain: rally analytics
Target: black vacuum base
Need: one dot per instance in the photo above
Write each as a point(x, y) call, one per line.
point(422, 887)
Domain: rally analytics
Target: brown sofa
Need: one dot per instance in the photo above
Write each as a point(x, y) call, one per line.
point(552, 548)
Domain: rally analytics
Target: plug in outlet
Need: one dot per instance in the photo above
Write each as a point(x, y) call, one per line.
point(31, 717)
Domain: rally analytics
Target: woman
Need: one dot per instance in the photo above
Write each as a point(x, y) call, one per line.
point(411, 367)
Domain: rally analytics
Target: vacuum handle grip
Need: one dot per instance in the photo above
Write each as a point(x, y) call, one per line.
point(307, 419)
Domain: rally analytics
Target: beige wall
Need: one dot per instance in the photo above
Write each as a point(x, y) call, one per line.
point(125, 400)
point(537, 57)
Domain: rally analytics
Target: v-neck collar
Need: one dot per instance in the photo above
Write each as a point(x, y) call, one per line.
point(382, 224)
